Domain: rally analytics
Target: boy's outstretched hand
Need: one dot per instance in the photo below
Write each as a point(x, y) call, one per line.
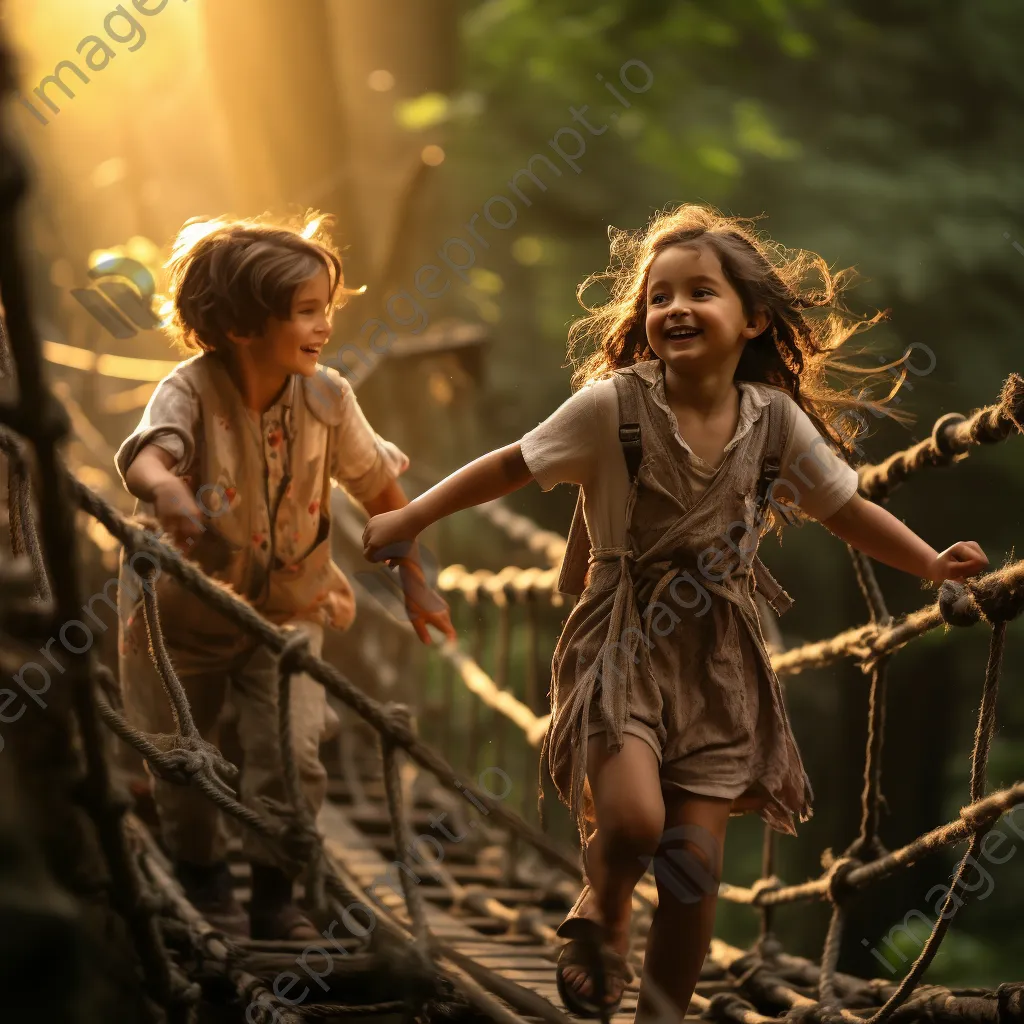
point(963, 559)
point(424, 605)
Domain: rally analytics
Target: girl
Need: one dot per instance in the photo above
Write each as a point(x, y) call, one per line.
point(235, 456)
point(705, 395)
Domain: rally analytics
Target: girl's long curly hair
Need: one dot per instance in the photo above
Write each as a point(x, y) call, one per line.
point(795, 352)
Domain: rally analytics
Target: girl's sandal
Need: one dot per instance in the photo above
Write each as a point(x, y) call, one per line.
point(587, 951)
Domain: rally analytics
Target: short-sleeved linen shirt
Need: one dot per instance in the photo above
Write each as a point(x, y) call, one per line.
point(264, 480)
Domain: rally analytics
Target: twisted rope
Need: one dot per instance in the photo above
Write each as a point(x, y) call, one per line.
point(24, 535)
point(304, 838)
point(401, 832)
point(951, 438)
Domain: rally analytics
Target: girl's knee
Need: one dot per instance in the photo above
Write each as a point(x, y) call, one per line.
point(635, 832)
point(687, 866)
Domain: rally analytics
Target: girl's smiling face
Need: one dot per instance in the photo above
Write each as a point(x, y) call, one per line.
point(695, 317)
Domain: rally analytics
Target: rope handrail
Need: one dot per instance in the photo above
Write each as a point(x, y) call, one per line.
point(951, 438)
point(1000, 591)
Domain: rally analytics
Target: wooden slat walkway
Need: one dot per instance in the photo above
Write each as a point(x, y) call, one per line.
point(520, 958)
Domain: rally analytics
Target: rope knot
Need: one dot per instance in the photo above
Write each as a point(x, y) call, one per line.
point(191, 756)
point(728, 1006)
point(397, 719)
point(838, 886)
point(866, 849)
point(957, 604)
point(1010, 1000)
point(296, 647)
point(300, 842)
point(763, 885)
point(943, 431)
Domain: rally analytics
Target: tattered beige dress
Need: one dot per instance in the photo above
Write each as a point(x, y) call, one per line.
point(664, 642)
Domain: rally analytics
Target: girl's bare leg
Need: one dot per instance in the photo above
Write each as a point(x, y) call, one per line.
point(630, 813)
point(687, 870)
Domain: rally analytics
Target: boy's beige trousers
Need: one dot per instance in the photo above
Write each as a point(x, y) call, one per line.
point(209, 667)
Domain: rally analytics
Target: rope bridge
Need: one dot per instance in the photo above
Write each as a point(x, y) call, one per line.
point(175, 947)
point(763, 975)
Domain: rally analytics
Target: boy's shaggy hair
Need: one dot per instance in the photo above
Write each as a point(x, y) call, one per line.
point(233, 275)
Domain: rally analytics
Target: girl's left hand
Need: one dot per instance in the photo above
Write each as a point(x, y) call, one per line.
point(963, 559)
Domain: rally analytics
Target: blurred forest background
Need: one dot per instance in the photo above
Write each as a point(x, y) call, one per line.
point(886, 136)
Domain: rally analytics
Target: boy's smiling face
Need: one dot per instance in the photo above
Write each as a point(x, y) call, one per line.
point(294, 345)
point(695, 317)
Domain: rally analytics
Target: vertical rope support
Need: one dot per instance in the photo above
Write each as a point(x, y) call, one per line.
point(315, 867)
point(983, 734)
point(24, 536)
point(866, 843)
point(871, 795)
point(532, 651)
point(180, 707)
point(827, 994)
point(501, 675)
point(477, 652)
point(402, 833)
point(446, 711)
point(767, 871)
point(529, 809)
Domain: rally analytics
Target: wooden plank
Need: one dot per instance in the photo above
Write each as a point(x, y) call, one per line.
point(349, 845)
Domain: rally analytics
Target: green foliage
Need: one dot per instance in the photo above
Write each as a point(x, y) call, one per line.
point(885, 136)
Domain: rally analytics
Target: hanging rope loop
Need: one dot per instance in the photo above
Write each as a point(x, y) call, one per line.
point(943, 433)
point(838, 886)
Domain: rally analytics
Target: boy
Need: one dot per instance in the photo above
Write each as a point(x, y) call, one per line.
point(235, 454)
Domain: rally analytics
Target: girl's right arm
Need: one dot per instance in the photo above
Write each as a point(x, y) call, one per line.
point(491, 476)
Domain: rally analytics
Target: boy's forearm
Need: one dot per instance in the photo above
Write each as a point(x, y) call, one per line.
point(491, 476)
point(880, 535)
point(391, 498)
point(151, 467)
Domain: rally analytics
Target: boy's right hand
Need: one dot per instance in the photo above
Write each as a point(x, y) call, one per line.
point(176, 509)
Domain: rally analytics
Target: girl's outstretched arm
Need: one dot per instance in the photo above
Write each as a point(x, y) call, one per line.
point(880, 535)
point(491, 476)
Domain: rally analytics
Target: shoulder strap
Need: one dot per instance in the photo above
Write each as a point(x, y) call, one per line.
point(573, 572)
point(780, 421)
point(629, 423)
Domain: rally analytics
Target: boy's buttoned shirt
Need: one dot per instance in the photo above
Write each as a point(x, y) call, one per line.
point(265, 480)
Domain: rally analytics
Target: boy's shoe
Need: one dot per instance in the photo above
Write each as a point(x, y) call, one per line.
point(273, 913)
point(210, 889)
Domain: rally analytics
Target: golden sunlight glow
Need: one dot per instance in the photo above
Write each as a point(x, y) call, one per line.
point(123, 367)
point(432, 156)
point(192, 234)
point(312, 227)
point(381, 80)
